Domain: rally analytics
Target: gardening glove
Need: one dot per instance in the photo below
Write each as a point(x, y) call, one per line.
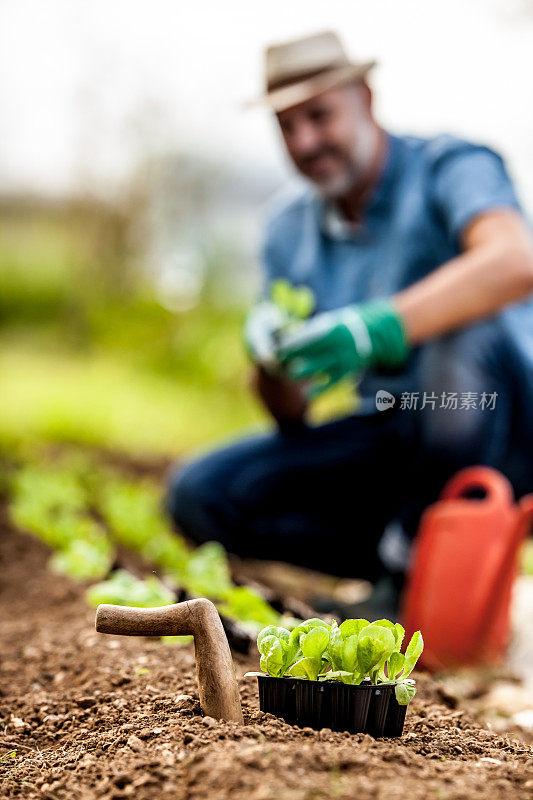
point(344, 342)
point(262, 328)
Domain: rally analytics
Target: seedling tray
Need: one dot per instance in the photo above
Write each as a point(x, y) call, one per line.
point(380, 699)
point(278, 696)
point(395, 718)
point(324, 704)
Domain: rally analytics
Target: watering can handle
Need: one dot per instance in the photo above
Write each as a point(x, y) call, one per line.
point(497, 488)
point(525, 509)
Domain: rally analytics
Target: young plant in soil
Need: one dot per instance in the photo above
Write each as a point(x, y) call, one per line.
point(82, 511)
point(356, 654)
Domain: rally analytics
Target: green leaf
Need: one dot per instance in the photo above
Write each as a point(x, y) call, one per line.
point(267, 642)
point(245, 604)
point(313, 622)
point(353, 679)
point(273, 660)
point(413, 652)
point(395, 665)
point(208, 573)
point(304, 628)
point(280, 293)
point(303, 302)
point(334, 649)
point(396, 629)
point(374, 647)
point(306, 668)
point(296, 301)
point(399, 634)
point(349, 651)
point(272, 630)
point(352, 627)
point(385, 623)
point(315, 642)
point(404, 691)
point(124, 589)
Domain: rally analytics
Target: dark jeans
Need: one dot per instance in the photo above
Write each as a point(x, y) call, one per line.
point(322, 496)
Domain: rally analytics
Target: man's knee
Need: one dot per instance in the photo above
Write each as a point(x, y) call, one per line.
point(463, 390)
point(188, 496)
point(467, 359)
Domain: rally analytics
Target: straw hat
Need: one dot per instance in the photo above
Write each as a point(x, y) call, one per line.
point(304, 68)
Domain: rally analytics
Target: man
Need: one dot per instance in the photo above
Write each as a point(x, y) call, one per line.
point(416, 253)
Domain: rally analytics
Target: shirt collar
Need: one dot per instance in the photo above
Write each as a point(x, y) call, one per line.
point(335, 226)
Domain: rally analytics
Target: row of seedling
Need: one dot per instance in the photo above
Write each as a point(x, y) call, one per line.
point(83, 512)
point(350, 677)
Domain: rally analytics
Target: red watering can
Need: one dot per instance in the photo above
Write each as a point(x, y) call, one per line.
point(465, 562)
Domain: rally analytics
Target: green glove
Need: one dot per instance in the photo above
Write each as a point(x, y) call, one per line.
point(348, 340)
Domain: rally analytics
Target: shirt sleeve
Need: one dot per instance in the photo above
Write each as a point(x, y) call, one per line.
point(469, 180)
point(273, 257)
point(269, 260)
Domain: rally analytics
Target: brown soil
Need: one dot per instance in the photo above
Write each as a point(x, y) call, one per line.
point(89, 716)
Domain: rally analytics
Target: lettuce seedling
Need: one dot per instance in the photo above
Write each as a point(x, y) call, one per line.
point(296, 302)
point(275, 649)
point(245, 604)
point(124, 589)
point(312, 644)
point(357, 649)
point(85, 558)
point(298, 653)
point(341, 652)
point(347, 653)
point(374, 647)
point(400, 666)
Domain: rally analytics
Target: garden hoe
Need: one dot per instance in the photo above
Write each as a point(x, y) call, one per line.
point(215, 671)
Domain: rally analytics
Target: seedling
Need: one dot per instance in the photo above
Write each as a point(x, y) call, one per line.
point(57, 503)
point(358, 654)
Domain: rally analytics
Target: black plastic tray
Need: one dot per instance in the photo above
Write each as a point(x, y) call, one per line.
point(395, 719)
point(378, 709)
point(320, 704)
point(278, 696)
point(323, 704)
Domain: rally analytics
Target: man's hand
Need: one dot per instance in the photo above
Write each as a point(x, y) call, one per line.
point(343, 342)
point(285, 399)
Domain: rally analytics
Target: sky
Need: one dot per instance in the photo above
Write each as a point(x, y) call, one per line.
point(89, 89)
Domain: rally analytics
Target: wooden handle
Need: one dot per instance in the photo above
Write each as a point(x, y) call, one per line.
point(215, 671)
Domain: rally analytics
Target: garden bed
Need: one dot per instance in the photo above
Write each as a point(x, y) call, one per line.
point(87, 716)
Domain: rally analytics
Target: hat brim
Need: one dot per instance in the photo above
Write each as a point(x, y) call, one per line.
point(300, 91)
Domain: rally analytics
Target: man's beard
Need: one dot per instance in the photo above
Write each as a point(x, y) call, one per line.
point(340, 185)
point(357, 166)
point(337, 185)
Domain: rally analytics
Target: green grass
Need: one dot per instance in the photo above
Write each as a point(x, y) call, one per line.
point(89, 355)
point(101, 399)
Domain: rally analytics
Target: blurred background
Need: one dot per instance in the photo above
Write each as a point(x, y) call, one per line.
point(133, 182)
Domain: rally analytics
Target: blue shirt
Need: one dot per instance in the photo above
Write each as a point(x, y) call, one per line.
point(428, 191)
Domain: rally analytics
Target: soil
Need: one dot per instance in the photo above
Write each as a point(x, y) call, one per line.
point(89, 716)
